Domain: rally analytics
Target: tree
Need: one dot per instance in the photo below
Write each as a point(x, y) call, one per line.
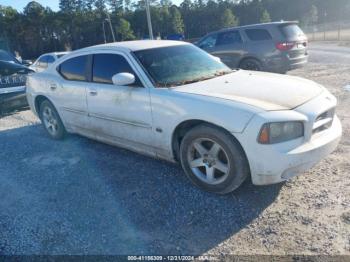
point(228, 19)
point(124, 31)
point(265, 17)
point(177, 24)
point(78, 23)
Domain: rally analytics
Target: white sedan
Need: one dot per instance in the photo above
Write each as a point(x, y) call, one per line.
point(171, 100)
point(45, 60)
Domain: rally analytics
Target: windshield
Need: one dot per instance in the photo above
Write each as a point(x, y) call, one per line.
point(180, 65)
point(5, 56)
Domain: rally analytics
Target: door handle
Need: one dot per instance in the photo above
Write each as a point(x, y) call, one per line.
point(53, 87)
point(93, 92)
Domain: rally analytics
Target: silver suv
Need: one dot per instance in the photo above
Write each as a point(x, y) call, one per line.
point(274, 47)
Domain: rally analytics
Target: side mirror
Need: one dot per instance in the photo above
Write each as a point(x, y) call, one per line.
point(123, 79)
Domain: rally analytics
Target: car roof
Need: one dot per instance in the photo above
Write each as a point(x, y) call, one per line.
point(256, 26)
point(56, 53)
point(137, 45)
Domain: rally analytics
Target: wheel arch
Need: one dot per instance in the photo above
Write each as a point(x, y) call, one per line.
point(249, 57)
point(182, 128)
point(37, 102)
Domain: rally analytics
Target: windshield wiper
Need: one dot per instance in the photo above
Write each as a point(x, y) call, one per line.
point(191, 81)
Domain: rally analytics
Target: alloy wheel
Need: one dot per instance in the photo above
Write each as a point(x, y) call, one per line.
point(208, 161)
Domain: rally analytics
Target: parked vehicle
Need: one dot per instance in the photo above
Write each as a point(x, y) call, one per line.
point(12, 86)
point(8, 57)
point(45, 60)
point(172, 100)
point(275, 47)
point(177, 37)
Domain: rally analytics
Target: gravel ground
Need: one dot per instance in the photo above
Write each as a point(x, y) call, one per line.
point(79, 196)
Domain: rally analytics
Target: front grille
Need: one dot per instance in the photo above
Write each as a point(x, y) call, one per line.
point(323, 121)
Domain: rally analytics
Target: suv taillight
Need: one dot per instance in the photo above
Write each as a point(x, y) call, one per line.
point(285, 46)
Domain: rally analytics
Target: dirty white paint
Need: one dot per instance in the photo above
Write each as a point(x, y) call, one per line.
point(241, 103)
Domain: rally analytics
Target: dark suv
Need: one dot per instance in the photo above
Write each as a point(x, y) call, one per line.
point(12, 86)
point(274, 47)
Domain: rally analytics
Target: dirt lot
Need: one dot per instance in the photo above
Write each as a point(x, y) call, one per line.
point(83, 197)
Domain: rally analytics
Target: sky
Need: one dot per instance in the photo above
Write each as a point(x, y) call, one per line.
point(53, 4)
point(20, 4)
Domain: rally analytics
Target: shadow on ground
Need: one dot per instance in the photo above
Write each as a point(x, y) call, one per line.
point(78, 196)
point(4, 113)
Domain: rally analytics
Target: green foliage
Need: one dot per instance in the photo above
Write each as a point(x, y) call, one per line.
point(78, 23)
point(124, 30)
point(228, 19)
point(177, 25)
point(265, 17)
point(311, 17)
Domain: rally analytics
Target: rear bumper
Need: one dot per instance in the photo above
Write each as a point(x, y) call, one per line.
point(285, 63)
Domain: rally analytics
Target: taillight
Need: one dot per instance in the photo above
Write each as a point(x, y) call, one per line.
point(285, 46)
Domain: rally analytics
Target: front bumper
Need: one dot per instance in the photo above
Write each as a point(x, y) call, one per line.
point(13, 100)
point(275, 163)
point(281, 166)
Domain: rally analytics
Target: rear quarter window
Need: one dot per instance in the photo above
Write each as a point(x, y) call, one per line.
point(74, 69)
point(258, 34)
point(291, 31)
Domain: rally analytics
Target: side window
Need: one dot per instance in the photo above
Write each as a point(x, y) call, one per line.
point(258, 34)
point(42, 62)
point(229, 38)
point(208, 42)
point(107, 65)
point(50, 59)
point(74, 69)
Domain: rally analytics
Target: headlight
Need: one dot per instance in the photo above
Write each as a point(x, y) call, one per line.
point(273, 133)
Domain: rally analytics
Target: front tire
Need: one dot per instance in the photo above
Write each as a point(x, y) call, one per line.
point(213, 160)
point(251, 64)
point(51, 120)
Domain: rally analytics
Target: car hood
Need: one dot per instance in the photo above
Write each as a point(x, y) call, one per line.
point(264, 90)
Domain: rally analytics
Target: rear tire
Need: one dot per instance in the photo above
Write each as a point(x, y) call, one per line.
point(213, 160)
point(251, 64)
point(51, 120)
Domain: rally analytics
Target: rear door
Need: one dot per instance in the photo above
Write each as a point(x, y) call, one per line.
point(260, 43)
point(229, 48)
point(68, 92)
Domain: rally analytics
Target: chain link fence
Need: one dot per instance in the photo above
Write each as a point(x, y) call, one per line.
point(336, 31)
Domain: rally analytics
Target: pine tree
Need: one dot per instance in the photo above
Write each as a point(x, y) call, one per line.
point(228, 19)
point(177, 23)
point(124, 30)
point(265, 17)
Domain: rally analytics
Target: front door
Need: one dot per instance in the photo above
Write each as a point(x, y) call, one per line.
point(229, 47)
point(118, 114)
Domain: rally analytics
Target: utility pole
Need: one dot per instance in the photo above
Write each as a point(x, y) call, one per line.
point(104, 31)
point(150, 31)
point(110, 25)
